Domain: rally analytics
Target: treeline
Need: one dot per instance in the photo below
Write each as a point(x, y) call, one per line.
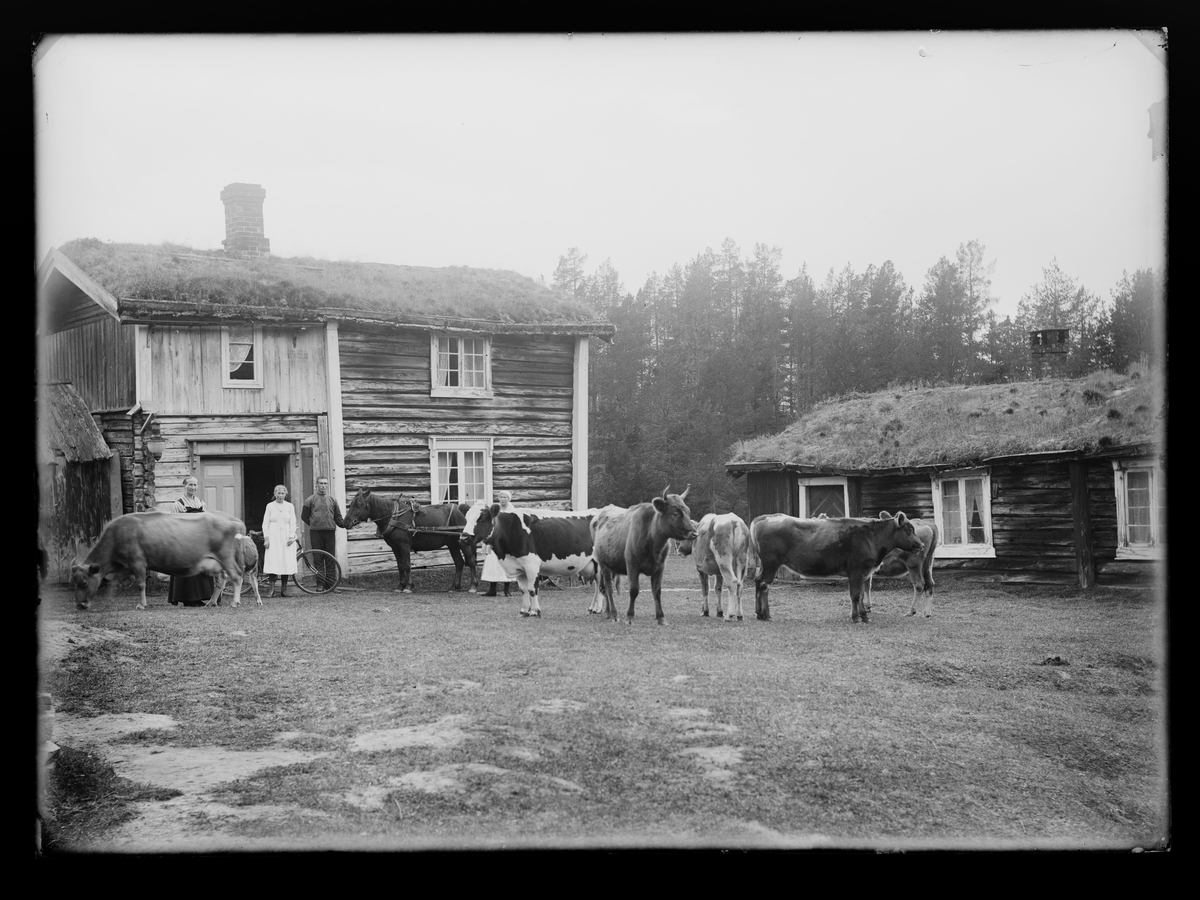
point(725, 348)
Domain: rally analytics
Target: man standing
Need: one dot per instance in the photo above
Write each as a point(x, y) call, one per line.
point(321, 514)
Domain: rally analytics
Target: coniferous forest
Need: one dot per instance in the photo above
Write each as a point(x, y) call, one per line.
point(726, 347)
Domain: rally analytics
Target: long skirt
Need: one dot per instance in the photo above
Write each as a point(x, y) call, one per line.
point(492, 570)
point(192, 590)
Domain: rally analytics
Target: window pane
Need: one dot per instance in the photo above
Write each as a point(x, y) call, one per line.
point(1137, 505)
point(826, 498)
point(472, 477)
point(241, 361)
point(973, 489)
point(473, 374)
point(448, 362)
point(952, 532)
point(447, 477)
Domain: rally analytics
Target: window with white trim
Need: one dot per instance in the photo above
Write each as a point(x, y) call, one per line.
point(823, 494)
point(460, 470)
point(461, 365)
point(1141, 487)
point(962, 506)
point(241, 356)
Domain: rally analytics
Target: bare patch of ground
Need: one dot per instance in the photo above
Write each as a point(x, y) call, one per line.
point(445, 733)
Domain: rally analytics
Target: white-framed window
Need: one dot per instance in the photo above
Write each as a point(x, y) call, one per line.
point(1141, 487)
point(962, 506)
point(461, 365)
point(823, 494)
point(241, 356)
point(460, 469)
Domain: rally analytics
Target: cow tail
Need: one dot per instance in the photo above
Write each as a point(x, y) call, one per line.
point(927, 572)
point(753, 561)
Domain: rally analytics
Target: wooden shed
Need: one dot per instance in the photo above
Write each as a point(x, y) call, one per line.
point(250, 371)
point(76, 482)
point(1052, 482)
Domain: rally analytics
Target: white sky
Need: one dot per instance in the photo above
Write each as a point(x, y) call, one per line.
point(502, 152)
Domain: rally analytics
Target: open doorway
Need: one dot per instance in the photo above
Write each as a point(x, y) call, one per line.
point(242, 486)
point(260, 475)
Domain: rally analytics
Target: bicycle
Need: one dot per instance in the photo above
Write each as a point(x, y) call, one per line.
point(309, 564)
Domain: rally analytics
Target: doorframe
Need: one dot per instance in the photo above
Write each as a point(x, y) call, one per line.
point(245, 445)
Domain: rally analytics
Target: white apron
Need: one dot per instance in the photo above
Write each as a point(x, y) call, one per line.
point(279, 524)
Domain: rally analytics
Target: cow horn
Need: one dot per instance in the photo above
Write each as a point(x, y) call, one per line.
point(685, 490)
point(664, 493)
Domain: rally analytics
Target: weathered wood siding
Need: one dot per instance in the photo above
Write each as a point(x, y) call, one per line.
point(97, 358)
point(73, 501)
point(186, 372)
point(1110, 571)
point(909, 494)
point(771, 492)
point(234, 431)
point(388, 417)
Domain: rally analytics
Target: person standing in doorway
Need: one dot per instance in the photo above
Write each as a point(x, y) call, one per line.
point(279, 540)
point(322, 515)
point(493, 571)
point(190, 590)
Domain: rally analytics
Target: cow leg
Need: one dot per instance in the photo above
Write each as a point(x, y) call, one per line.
point(762, 583)
point(656, 590)
point(722, 605)
point(726, 577)
point(634, 586)
point(140, 574)
point(703, 593)
point(606, 587)
point(528, 587)
point(856, 602)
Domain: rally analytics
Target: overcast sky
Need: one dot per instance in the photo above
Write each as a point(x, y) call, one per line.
point(503, 152)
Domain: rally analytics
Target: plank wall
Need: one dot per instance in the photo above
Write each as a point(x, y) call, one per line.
point(97, 358)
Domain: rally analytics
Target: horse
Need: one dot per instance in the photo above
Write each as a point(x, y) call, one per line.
point(399, 520)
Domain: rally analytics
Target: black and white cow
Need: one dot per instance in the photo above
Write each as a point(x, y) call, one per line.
point(533, 542)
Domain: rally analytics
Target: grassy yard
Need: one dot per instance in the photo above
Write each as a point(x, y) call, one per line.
point(374, 720)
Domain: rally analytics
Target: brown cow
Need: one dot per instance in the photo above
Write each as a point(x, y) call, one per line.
point(162, 542)
point(917, 566)
point(634, 543)
point(820, 548)
point(246, 554)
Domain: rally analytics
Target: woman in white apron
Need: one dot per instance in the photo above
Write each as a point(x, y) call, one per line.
point(279, 539)
point(492, 570)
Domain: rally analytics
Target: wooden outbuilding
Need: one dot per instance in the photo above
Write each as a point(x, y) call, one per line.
point(249, 371)
point(78, 483)
point(1052, 482)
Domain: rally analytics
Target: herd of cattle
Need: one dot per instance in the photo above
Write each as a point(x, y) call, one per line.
point(599, 545)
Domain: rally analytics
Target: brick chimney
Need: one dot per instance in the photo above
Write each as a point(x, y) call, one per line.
point(244, 220)
point(1048, 351)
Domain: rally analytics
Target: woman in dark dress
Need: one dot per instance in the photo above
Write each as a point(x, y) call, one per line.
point(194, 590)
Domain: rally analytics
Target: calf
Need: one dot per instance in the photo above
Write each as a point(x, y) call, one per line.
point(824, 547)
point(246, 554)
point(918, 566)
point(721, 548)
point(194, 544)
point(634, 543)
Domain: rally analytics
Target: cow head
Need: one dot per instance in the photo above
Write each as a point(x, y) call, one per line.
point(906, 533)
point(675, 516)
point(478, 527)
point(86, 582)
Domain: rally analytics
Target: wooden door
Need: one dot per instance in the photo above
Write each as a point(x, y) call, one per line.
point(221, 485)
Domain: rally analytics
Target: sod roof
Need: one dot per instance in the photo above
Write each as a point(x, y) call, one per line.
point(169, 278)
point(949, 426)
point(68, 428)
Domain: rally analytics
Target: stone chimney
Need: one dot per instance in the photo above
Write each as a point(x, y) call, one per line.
point(1049, 350)
point(244, 220)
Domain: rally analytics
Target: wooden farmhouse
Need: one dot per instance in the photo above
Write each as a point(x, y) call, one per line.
point(1057, 481)
point(250, 371)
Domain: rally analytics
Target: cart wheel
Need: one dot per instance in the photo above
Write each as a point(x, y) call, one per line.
point(317, 572)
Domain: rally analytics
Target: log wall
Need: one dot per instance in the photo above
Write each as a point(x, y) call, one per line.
point(388, 418)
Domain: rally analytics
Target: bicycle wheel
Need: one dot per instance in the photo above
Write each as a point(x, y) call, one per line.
point(309, 574)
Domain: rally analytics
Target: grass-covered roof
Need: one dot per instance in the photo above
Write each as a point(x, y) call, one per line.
point(172, 273)
point(961, 425)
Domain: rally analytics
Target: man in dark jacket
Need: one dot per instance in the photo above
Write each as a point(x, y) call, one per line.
point(321, 514)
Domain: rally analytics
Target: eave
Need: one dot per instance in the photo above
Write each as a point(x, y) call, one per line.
point(134, 311)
